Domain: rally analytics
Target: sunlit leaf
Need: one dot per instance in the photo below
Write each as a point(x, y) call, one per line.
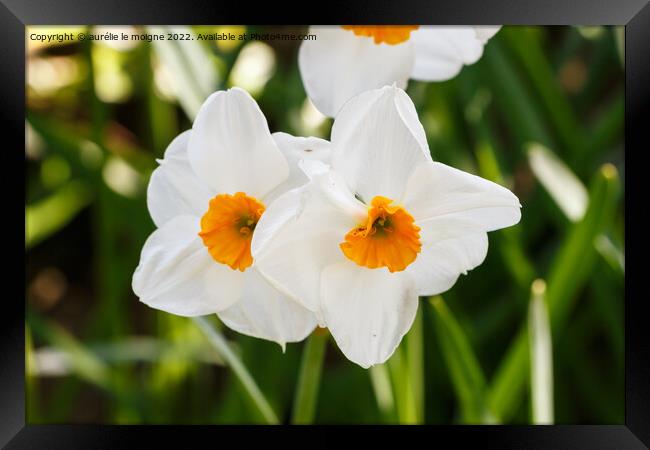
point(541, 356)
point(560, 182)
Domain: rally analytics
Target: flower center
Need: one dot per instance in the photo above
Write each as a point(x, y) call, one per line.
point(388, 238)
point(390, 34)
point(227, 228)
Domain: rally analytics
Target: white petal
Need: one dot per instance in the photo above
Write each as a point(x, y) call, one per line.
point(177, 274)
point(338, 65)
point(485, 33)
point(441, 262)
point(368, 311)
point(299, 235)
point(297, 150)
point(440, 52)
point(377, 141)
point(264, 312)
point(231, 147)
point(174, 189)
point(311, 168)
point(436, 190)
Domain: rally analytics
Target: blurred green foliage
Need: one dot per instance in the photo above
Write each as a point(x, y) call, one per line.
point(541, 113)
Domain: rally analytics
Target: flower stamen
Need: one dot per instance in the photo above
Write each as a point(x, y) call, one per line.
point(389, 34)
point(227, 228)
point(389, 238)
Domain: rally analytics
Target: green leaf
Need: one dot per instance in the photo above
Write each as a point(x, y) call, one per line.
point(606, 131)
point(518, 107)
point(612, 255)
point(567, 275)
point(511, 247)
point(464, 369)
point(527, 47)
point(133, 349)
point(83, 363)
point(49, 215)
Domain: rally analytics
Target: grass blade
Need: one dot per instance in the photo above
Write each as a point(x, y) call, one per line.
point(526, 45)
point(86, 365)
point(514, 99)
point(464, 369)
point(232, 360)
point(567, 276)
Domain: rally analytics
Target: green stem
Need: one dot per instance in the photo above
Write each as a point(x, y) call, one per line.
point(402, 389)
point(541, 356)
point(304, 405)
point(222, 347)
point(415, 363)
point(380, 380)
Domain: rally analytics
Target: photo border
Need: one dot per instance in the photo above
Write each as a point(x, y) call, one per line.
point(634, 14)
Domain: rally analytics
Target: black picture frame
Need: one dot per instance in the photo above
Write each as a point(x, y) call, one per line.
point(634, 14)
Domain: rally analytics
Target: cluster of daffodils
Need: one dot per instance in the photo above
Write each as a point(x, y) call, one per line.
point(279, 234)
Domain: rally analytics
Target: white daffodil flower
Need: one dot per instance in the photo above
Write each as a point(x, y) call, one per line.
point(345, 61)
point(360, 242)
point(206, 198)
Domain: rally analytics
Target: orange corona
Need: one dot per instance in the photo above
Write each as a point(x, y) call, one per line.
point(389, 34)
point(389, 238)
point(227, 228)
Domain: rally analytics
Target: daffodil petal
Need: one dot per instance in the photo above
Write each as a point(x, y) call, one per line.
point(264, 312)
point(231, 147)
point(440, 263)
point(298, 150)
point(436, 190)
point(368, 311)
point(174, 189)
point(299, 235)
point(338, 65)
point(176, 273)
point(377, 141)
point(441, 52)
